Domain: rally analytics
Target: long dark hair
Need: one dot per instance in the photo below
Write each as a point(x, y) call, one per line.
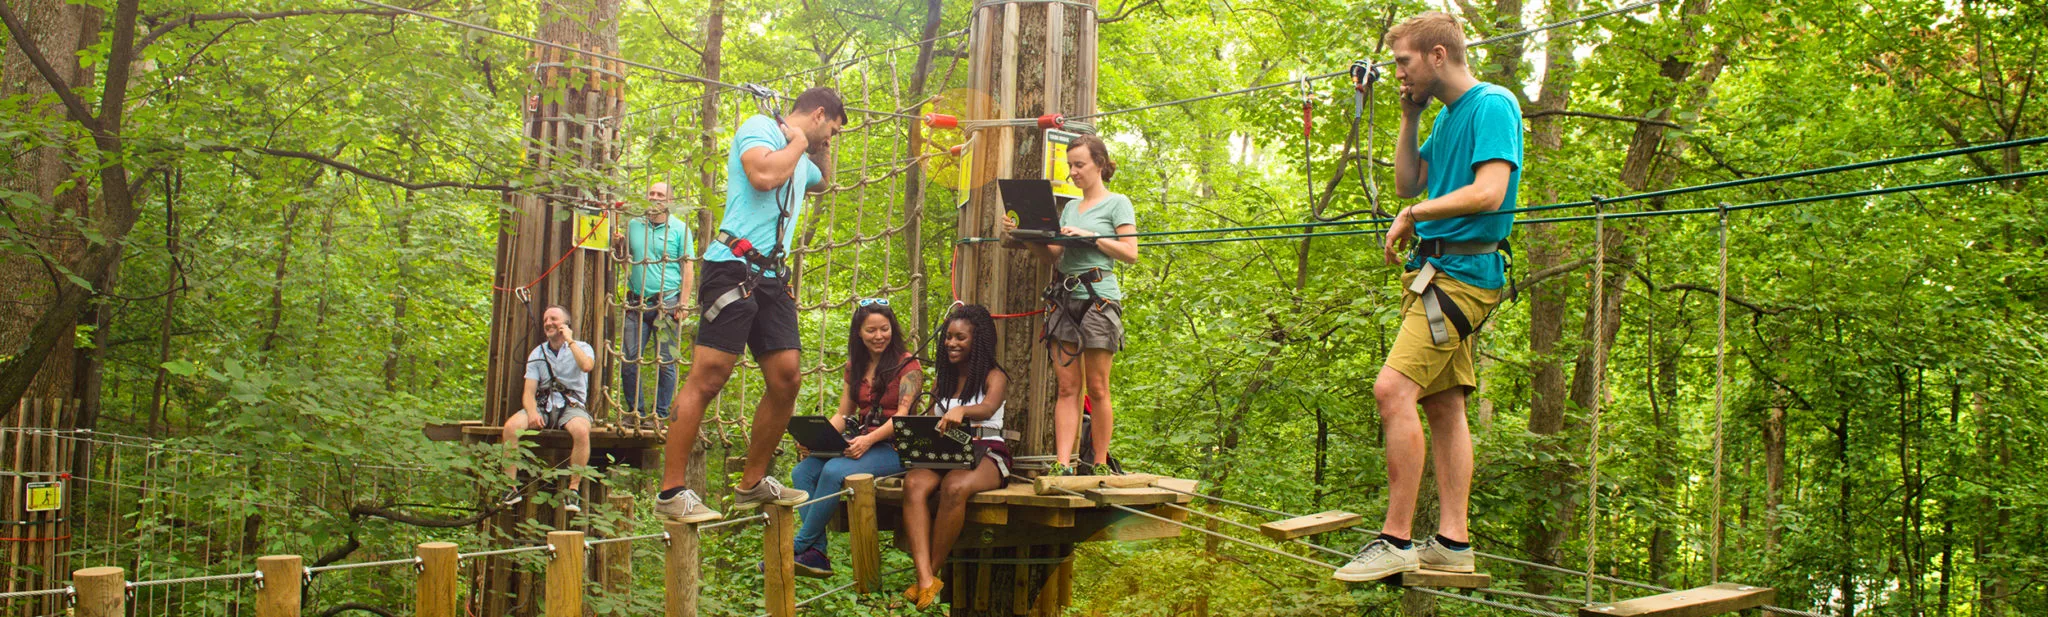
point(981, 354)
point(858, 357)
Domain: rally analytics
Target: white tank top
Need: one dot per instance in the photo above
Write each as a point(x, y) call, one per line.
point(993, 423)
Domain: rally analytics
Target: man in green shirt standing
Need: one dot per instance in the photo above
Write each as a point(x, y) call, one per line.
point(656, 248)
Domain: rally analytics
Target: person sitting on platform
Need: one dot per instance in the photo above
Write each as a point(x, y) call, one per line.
point(882, 380)
point(1470, 167)
point(1085, 320)
point(656, 247)
point(747, 302)
point(557, 384)
point(969, 392)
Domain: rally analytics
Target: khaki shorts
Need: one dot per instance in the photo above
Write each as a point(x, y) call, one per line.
point(1101, 324)
point(1439, 367)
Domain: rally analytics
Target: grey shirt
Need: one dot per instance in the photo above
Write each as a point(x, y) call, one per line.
point(562, 363)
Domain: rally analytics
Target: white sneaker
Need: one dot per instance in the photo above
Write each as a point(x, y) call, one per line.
point(765, 491)
point(686, 507)
point(1379, 559)
point(1435, 557)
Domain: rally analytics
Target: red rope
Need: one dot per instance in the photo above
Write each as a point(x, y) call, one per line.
point(558, 262)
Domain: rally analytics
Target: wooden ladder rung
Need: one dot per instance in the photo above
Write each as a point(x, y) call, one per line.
point(1713, 599)
point(1444, 580)
point(1312, 524)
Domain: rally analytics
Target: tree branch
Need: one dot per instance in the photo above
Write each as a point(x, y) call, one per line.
point(1122, 13)
point(1752, 306)
point(356, 606)
point(362, 173)
point(245, 16)
point(72, 104)
point(1599, 116)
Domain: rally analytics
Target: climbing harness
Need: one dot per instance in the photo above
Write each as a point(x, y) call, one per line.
point(1058, 294)
point(1443, 313)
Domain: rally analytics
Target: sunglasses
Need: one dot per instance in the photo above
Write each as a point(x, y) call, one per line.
point(867, 302)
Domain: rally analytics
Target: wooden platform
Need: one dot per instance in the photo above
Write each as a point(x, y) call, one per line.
point(601, 437)
point(1312, 524)
point(1016, 515)
point(1715, 599)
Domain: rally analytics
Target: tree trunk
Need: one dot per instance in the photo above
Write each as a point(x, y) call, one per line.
point(173, 182)
point(1774, 477)
point(400, 294)
point(697, 474)
point(913, 178)
point(1546, 248)
point(284, 255)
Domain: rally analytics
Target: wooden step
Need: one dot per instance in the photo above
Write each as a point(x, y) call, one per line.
point(1445, 580)
point(1053, 486)
point(1310, 525)
point(1715, 599)
point(1143, 495)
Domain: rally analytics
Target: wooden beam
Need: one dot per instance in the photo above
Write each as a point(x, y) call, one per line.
point(1312, 524)
point(1715, 599)
point(565, 574)
point(1053, 485)
point(779, 586)
point(437, 592)
point(866, 535)
point(1143, 495)
point(102, 592)
point(278, 596)
point(1043, 517)
point(679, 578)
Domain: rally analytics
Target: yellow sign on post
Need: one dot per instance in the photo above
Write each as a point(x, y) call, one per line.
point(593, 230)
point(1056, 142)
point(45, 496)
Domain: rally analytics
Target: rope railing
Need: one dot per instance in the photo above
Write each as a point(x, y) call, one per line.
point(37, 593)
point(409, 561)
point(214, 578)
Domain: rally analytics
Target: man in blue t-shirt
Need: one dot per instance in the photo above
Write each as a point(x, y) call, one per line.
point(1470, 167)
point(745, 297)
point(656, 246)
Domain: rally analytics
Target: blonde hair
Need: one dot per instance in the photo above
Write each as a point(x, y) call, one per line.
point(1429, 30)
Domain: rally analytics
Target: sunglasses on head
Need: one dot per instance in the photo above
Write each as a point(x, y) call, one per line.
point(867, 302)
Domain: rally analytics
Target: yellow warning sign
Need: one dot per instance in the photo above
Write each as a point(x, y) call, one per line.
point(45, 496)
point(1056, 170)
point(593, 230)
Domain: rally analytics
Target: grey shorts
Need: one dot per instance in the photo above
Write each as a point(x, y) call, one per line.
point(1100, 324)
point(561, 419)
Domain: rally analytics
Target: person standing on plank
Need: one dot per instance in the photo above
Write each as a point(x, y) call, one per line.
point(656, 247)
point(1470, 167)
point(746, 299)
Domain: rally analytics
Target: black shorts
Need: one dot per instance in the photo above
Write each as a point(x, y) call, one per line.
point(764, 321)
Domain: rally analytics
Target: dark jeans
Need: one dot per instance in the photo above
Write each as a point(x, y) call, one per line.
point(642, 325)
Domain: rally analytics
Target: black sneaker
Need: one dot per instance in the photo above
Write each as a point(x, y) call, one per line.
point(813, 563)
point(511, 498)
point(572, 502)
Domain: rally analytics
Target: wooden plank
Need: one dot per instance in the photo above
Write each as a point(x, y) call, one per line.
point(866, 536)
point(565, 574)
point(102, 592)
point(1143, 495)
point(1020, 582)
point(1051, 485)
point(779, 586)
point(988, 514)
point(279, 594)
point(1715, 599)
point(1312, 524)
point(1447, 580)
point(1043, 517)
point(983, 572)
point(679, 574)
point(437, 595)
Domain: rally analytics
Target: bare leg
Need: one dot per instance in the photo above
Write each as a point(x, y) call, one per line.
point(1405, 450)
point(959, 486)
point(1102, 420)
point(771, 415)
point(1451, 441)
point(510, 437)
point(579, 449)
point(709, 368)
point(918, 487)
point(1066, 414)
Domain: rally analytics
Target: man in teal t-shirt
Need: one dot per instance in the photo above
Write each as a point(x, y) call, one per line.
point(1470, 167)
point(745, 297)
point(656, 246)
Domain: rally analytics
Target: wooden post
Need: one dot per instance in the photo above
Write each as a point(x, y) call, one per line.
point(102, 592)
point(565, 574)
point(679, 580)
point(779, 590)
point(282, 583)
point(866, 538)
point(438, 569)
point(617, 557)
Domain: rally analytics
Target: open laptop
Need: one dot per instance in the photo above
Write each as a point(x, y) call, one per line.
point(1037, 210)
point(815, 433)
point(921, 444)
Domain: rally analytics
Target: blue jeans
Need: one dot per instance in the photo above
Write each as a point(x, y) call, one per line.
point(824, 476)
point(640, 327)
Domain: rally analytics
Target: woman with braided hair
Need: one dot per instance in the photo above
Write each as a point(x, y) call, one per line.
point(969, 393)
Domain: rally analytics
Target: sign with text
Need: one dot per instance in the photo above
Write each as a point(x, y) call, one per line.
point(45, 496)
point(1056, 142)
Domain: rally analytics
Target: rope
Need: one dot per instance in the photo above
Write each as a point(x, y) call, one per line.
point(1720, 396)
point(2030, 141)
point(1347, 71)
point(1599, 308)
point(558, 261)
point(368, 564)
point(40, 592)
point(651, 536)
point(602, 56)
point(1217, 535)
point(193, 579)
point(502, 551)
point(732, 521)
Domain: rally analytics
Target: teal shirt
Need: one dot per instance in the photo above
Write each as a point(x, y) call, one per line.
point(665, 246)
point(1102, 219)
point(1483, 125)
point(751, 213)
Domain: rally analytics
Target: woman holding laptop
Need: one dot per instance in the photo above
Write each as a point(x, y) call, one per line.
point(882, 379)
